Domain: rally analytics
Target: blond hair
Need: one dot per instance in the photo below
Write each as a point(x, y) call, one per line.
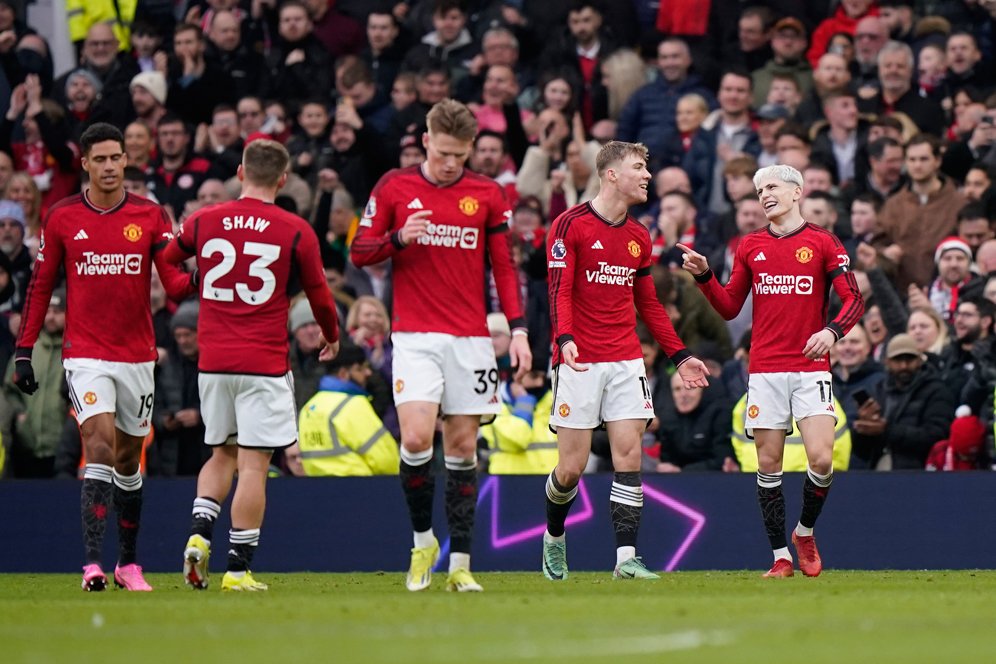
point(352, 318)
point(264, 162)
point(452, 118)
point(614, 151)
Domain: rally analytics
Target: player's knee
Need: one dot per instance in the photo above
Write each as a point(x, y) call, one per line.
point(569, 474)
point(415, 441)
point(821, 464)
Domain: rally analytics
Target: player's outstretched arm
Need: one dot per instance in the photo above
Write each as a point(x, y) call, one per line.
point(726, 300)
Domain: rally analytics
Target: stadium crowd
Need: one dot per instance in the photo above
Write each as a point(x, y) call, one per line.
point(888, 109)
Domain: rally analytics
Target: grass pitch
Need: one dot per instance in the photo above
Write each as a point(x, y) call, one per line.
point(687, 616)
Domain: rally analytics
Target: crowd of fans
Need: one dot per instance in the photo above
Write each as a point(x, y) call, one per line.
point(888, 109)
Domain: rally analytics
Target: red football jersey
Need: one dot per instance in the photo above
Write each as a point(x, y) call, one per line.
point(597, 271)
point(790, 278)
point(107, 256)
point(252, 256)
point(439, 282)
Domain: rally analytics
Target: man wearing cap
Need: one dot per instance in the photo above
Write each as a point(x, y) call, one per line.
point(148, 97)
point(909, 412)
point(83, 90)
point(788, 44)
point(32, 427)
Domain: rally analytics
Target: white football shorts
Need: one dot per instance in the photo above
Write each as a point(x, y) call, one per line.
point(458, 373)
point(773, 399)
point(258, 410)
point(606, 392)
point(126, 389)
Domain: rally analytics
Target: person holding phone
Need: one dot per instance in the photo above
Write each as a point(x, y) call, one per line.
point(856, 374)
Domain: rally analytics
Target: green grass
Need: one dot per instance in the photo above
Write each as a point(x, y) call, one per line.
point(686, 617)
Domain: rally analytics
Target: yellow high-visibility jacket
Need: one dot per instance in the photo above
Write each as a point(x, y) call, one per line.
point(795, 453)
point(82, 14)
point(341, 435)
point(521, 447)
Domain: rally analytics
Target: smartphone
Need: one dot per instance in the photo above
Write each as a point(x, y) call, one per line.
point(861, 396)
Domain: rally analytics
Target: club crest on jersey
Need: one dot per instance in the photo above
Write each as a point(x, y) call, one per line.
point(399, 386)
point(469, 205)
point(753, 412)
point(634, 248)
point(804, 255)
point(90, 398)
point(133, 232)
point(564, 410)
point(558, 249)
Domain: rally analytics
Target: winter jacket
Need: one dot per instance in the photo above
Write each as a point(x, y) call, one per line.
point(917, 417)
point(649, 115)
point(699, 440)
point(45, 409)
point(866, 377)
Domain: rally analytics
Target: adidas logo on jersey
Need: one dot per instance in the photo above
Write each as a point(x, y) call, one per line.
point(760, 257)
point(597, 245)
point(81, 235)
point(416, 204)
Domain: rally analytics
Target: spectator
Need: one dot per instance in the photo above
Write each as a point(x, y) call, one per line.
point(954, 277)
point(449, 43)
point(864, 221)
point(357, 87)
point(770, 119)
point(220, 142)
point(12, 230)
point(32, 426)
point(728, 133)
point(820, 208)
point(844, 19)
point(911, 410)
point(885, 170)
point(490, 159)
point(788, 44)
point(977, 183)
point(963, 447)
point(855, 370)
point(896, 94)
point(623, 73)
point(177, 172)
point(785, 91)
point(582, 49)
point(384, 51)
point(176, 416)
point(499, 48)
point(978, 147)
point(519, 440)
point(139, 146)
point(146, 41)
point(21, 189)
point(649, 116)
point(973, 226)
point(931, 74)
point(46, 153)
point(338, 33)
point(754, 29)
point(915, 219)
point(196, 84)
point(112, 68)
point(972, 323)
point(830, 75)
point(6, 170)
point(227, 51)
point(134, 183)
point(898, 17)
point(82, 94)
point(298, 66)
point(840, 142)
point(341, 435)
point(695, 432)
point(870, 35)
point(966, 67)
point(148, 97)
point(928, 331)
point(251, 116)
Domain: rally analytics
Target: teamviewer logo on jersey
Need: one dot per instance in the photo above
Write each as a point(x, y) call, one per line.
point(95, 264)
point(783, 284)
point(446, 235)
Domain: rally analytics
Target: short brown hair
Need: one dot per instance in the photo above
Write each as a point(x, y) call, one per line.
point(613, 151)
point(453, 119)
point(264, 161)
point(740, 166)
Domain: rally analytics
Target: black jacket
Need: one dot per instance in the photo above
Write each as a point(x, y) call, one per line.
point(698, 440)
point(917, 417)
